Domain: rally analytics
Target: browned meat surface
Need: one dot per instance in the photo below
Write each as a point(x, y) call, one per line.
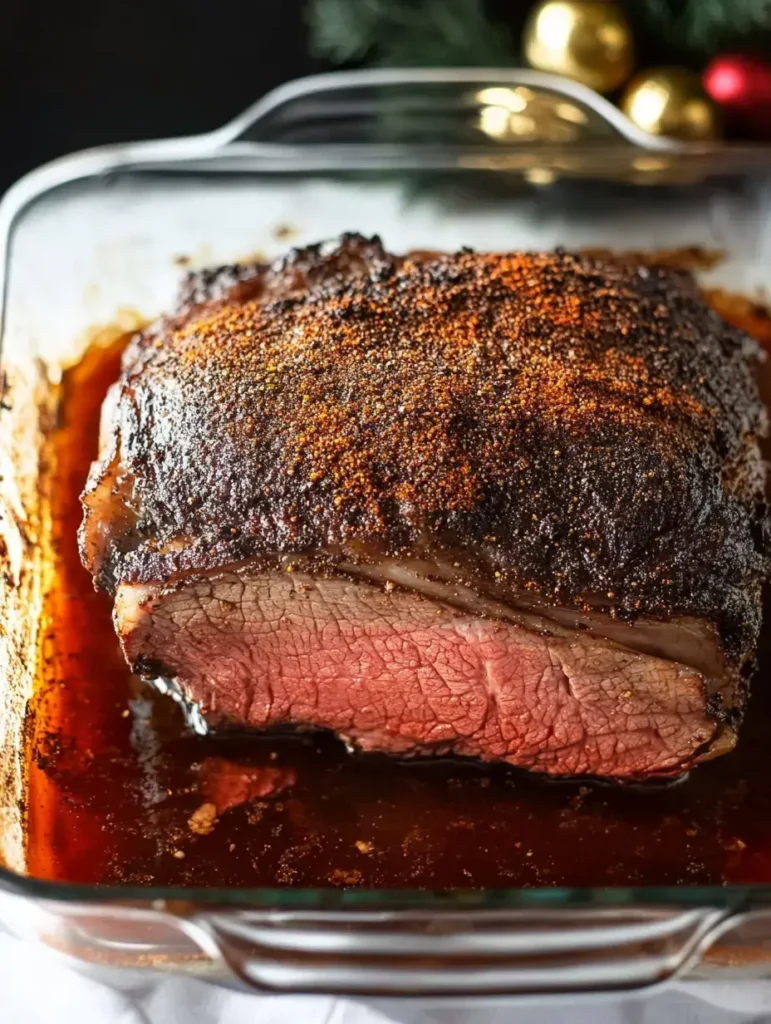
point(504, 505)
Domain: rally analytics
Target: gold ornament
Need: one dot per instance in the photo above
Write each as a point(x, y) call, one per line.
point(588, 40)
point(672, 101)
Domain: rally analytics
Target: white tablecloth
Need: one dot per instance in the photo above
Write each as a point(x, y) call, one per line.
point(36, 987)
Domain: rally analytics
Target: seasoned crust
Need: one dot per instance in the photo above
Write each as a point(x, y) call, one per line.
point(576, 426)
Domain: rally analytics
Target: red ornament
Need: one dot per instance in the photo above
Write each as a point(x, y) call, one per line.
point(741, 84)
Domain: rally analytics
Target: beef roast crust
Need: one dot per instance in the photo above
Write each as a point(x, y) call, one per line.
point(573, 426)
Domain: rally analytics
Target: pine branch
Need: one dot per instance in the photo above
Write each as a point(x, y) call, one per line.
point(408, 33)
point(450, 33)
point(342, 31)
point(703, 26)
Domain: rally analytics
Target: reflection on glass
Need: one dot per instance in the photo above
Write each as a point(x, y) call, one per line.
point(514, 100)
point(540, 176)
point(522, 114)
point(649, 163)
point(570, 112)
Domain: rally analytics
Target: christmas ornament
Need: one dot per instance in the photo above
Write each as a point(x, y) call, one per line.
point(672, 101)
point(742, 86)
point(589, 40)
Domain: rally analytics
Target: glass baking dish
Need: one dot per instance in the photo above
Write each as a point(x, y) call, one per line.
point(423, 158)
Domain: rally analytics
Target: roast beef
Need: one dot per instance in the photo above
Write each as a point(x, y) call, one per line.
point(501, 505)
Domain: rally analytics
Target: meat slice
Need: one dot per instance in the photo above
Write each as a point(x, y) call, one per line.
point(507, 506)
point(391, 672)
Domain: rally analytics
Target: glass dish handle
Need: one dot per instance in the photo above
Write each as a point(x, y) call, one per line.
point(477, 953)
point(496, 107)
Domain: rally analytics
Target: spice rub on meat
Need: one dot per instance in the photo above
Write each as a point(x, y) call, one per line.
point(508, 505)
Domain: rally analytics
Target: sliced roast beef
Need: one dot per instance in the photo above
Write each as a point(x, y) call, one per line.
point(500, 505)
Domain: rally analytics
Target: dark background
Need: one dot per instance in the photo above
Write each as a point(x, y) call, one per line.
point(78, 73)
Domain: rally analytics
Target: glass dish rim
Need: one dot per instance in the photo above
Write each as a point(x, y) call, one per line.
point(736, 898)
point(224, 151)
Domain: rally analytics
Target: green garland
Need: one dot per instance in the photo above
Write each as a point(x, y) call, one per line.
point(431, 33)
point(408, 33)
point(703, 26)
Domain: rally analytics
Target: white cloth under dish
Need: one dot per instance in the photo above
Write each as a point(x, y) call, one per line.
point(36, 987)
